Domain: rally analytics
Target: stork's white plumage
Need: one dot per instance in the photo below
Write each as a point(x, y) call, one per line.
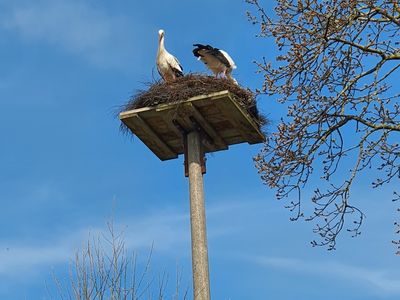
point(217, 60)
point(168, 65)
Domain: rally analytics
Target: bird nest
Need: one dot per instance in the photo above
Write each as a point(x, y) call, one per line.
point(191, 85)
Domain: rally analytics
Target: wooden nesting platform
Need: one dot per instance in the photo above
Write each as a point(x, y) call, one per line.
point(220, 120)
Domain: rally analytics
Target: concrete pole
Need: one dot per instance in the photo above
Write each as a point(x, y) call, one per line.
point(201, 281)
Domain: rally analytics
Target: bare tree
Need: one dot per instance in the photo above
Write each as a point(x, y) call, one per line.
point(336, 73)
point(104, 269)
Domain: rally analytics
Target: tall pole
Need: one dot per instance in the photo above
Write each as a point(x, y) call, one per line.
point(201, 281)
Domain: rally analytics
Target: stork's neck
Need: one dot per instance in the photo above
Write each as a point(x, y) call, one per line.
point(161, 44)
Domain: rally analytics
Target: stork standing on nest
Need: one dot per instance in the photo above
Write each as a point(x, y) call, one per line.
point(168, 65)
point(217, 60)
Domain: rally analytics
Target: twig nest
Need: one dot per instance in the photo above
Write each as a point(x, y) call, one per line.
point(193, 85)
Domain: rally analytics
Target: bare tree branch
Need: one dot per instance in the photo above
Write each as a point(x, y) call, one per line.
point(335, 74)
point(103, 270)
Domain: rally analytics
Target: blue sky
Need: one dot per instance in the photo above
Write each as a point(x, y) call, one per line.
point(65, 169)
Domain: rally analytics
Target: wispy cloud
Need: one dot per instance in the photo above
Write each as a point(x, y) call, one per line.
point(25, 259)
point(74, 26)
point(168, 229)
point(18, 257)
point(379, 280)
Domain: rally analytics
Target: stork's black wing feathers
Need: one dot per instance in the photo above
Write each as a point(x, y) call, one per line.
point(211, 51)
point(201, 47)
point(177, 72)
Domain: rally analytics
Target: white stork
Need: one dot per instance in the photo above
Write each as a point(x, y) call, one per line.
point(168, 65)
point(217, 60)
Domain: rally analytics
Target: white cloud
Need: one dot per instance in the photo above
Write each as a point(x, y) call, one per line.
point(73, 26)
point(168, 229)
point(18, 257)
point(21, 259)
point(379, 280)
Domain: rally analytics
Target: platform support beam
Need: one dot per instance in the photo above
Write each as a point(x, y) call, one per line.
point(201, 281)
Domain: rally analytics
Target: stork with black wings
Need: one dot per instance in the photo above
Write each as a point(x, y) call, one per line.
point(217, 60)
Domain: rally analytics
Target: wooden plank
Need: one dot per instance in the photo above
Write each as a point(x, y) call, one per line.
point(155, 110)
point(243, 122)
point(252, 132)
point(217, 139)
point(149, 137)
point(168, 106)
point(171, 105)
point(133, 112)
point(183, 117)
point(177, 142)
point(210, 96)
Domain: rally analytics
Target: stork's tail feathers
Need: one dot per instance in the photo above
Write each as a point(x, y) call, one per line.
point(178, 73)
point(229, 76)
